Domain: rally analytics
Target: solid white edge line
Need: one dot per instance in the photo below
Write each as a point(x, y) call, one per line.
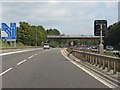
point(5, 71)
point(91, 74)
point(2, 54)
point(21, 62)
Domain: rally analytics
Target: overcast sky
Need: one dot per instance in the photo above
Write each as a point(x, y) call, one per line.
point(70, 18)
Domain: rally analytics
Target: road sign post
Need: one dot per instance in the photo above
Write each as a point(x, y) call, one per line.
point(100, 29)
point(97, 27)
point(101, 50)
point(8, 34)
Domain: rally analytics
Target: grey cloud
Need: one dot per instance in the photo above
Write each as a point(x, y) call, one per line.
point(70, 18)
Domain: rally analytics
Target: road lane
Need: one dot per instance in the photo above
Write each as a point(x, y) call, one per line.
point(11, 60)
point(49, 69)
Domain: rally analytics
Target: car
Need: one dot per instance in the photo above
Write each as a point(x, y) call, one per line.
point(88, 47)
point(46, 46)
point(109, 48)
point(95, 47)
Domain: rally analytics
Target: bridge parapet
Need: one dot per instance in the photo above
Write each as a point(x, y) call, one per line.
point(102, 61)
point(73, 37)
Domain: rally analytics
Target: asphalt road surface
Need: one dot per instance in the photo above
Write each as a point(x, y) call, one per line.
point(44, 69)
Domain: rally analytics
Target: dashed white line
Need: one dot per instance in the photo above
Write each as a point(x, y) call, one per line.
point(30, 57)
point(21, 62)
point(35, 54)
point(5, 71)
point(40, 52)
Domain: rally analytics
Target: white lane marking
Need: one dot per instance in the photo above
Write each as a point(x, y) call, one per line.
point(30, 57)
point(91, 73)
point(5, 71)
point(40, 52)
point(22, 62)
point(35, 54)
point(2, 54)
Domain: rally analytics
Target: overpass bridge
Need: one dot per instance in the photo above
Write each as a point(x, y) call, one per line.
point(73, 37)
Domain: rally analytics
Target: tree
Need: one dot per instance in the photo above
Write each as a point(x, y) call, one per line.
point(52, 32)
point(55, 32)
point(112, 36)
point(30, 35)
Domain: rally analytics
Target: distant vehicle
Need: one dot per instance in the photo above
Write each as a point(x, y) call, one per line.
point(86, 47)
point(94, 47)
point(109, 48)
point(46, 46)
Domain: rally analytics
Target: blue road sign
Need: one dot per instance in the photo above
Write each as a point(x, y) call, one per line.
point(8, 33)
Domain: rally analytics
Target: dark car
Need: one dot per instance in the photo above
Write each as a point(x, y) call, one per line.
point(109, 48)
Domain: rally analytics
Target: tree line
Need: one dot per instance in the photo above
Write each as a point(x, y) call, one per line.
point(33, 35)
point(112, 36)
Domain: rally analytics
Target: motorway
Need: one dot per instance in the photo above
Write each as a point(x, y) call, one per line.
point(39, 68)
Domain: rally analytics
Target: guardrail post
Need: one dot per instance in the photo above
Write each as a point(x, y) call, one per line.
point(74, 53)
point(108, 68)
point(85, 58)
point(99, 62)
point(80, 56)
point(103, 67)
point(96, 63)
point(88, 58)
point(115, 67)
point(92, 60)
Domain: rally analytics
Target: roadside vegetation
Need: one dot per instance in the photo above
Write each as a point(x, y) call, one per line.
point(2, 44)
point(32, 35)
point(6, 45)
point(113, 36)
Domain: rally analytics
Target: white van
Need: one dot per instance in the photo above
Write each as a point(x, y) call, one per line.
point(46, 46)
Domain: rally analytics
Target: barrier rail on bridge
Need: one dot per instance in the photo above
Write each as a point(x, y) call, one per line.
point(102, 61)
point(74, 37)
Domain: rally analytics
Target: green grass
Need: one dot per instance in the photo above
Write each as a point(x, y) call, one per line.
point(19, 44)
point(109, 53)
point(6, 45)
point(2, 44)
